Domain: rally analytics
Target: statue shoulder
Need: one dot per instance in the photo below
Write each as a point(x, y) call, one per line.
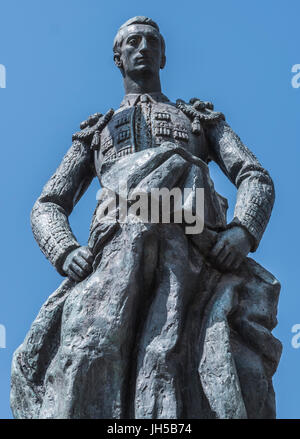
point(92, 127)
point(199, 111)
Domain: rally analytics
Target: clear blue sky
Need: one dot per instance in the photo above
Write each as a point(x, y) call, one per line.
point(237, 54)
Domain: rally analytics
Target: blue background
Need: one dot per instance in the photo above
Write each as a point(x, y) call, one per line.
point(58, 56)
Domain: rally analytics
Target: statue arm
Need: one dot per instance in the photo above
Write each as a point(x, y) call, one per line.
point(49, 216)
point(255, 196)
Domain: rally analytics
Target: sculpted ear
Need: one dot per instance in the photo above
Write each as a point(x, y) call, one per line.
point(117, 60)
point(163, 62)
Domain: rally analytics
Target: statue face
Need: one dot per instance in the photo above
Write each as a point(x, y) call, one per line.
point(141, 52)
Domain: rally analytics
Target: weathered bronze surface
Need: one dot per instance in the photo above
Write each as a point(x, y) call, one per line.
point(152, 322)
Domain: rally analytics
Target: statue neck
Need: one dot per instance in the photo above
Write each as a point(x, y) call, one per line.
point(142, 85)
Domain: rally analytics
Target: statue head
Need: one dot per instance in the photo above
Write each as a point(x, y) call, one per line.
point(139, 48)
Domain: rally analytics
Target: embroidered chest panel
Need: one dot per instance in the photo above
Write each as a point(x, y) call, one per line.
point(148, 125)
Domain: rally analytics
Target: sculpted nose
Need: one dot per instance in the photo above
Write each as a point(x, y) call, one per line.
point(144, 45)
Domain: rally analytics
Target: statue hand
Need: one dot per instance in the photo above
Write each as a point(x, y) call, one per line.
point(231, 248)
point(78, 264)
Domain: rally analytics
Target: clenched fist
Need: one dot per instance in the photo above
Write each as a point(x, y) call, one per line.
point(231, 248)
point(78, 264)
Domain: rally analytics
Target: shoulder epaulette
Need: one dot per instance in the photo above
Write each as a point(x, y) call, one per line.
point(199, 111)
point(92, 127)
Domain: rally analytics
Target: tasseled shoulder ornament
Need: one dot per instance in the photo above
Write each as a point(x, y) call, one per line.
point(199, 111)
point(92, 127)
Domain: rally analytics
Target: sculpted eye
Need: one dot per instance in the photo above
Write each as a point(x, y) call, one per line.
point(132, 41)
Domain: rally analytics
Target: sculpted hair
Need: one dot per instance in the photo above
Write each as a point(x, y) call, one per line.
point(137, 20)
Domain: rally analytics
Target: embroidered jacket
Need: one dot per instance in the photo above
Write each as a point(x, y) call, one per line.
point(146, 121)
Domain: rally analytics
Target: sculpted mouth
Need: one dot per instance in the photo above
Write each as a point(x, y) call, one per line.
point(143, 59)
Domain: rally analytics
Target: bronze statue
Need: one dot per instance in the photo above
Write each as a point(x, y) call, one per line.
point(152, 322)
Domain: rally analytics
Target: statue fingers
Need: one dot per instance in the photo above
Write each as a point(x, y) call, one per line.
point(73, 276)
point(217, 248)
point(77, 270)
point(83, 263)
point(86, 254)
point(229, 261)
point(222, 255)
